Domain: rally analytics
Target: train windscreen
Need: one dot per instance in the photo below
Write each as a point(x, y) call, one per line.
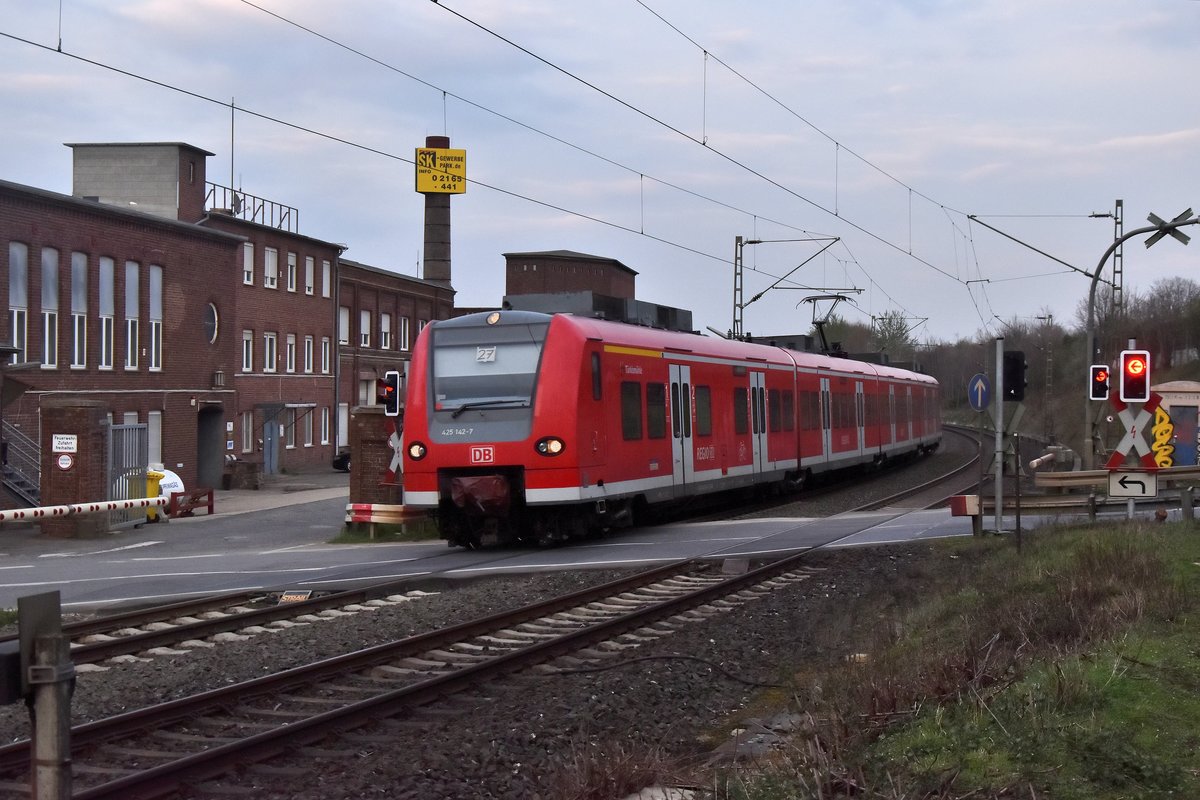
point(485, 366)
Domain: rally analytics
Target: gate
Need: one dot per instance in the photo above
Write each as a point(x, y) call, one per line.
point(128, 451)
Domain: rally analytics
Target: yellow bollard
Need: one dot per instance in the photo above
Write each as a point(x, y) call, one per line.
point(152, 490)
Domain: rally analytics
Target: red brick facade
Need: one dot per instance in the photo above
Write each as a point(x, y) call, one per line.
point(558, 271)
point(233, 360)
point(372, 299)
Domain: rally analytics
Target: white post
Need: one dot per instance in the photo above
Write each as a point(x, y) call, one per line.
point(999, 419)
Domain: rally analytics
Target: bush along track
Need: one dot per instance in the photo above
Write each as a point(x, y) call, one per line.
point(1069, 669)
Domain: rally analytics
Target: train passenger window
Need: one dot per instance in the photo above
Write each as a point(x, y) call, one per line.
point(687, 412)
point(703, 411)
point(741, 410)
point(789, 410)
point(656, 410)
point(596, 383)
point(631, 411)
point(774, 410)
point(756, 424)
point(676, 414)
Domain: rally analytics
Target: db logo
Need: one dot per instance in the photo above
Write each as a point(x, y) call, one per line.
point(483, 455)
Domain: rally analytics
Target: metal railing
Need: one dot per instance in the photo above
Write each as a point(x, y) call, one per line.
point(22, 468)
point(251, 208)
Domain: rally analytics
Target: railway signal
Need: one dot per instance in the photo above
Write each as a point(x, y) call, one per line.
point(1135, 376)
point(1014, 375)
point(389, 393)
point(1098, 385)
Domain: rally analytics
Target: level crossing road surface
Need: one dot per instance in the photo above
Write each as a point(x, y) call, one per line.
point(287, 546)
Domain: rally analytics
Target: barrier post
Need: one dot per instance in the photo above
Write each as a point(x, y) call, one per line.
point(1186, 508)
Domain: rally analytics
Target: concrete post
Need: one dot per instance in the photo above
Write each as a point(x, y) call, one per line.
point(51, 676)
point(1187, 508)
point(437, 228)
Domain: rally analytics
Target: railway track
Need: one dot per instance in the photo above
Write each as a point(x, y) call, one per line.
point(154, 751)
point(238, 614)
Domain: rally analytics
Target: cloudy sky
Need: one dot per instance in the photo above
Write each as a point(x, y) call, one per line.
point(656, 132)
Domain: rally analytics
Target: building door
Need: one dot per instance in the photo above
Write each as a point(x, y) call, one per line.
point(271, 438)
point(210, 446)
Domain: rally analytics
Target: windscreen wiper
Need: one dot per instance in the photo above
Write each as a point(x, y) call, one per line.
point(484, 403)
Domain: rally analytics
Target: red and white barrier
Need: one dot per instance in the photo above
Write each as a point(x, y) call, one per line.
point(44, 512)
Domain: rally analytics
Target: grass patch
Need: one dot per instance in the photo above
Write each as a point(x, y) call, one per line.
point(1067, 671)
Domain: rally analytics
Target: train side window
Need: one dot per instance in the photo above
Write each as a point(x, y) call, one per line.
point(597, 385)
point(631, 411)
point(687, 412)
point(774, 410)
point(656, 410)
point(741, 410)
point(789, 410)
point(703, 411)
point(675, 412)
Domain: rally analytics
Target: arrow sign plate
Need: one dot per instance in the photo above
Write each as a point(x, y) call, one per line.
point(1135, 485)
point(979, 392)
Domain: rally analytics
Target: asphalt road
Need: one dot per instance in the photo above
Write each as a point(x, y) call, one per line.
point(288, 546)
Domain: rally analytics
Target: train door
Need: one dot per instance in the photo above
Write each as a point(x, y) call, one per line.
point(860, 416)
point(826, 420)
point(758, 419)
point(682, 454)
point(892, 413)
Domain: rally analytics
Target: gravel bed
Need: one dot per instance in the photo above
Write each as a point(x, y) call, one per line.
point(528, 737)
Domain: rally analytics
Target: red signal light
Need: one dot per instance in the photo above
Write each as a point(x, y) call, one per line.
point(1098, 387)
point(1135, 376)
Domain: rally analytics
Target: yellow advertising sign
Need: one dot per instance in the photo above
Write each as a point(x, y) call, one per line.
point(441, 170)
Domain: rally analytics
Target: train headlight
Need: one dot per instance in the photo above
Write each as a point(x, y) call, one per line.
point(550, 446)
point(416, 451)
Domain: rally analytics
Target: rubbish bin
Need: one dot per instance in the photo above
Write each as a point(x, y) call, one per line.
point(152, 490)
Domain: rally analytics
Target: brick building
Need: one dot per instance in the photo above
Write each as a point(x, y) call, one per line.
point(380, 314)
point(193, 310)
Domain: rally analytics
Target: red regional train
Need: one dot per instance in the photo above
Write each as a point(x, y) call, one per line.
point(522, 426)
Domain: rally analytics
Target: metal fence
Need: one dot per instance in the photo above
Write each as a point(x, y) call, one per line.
point(128, 451)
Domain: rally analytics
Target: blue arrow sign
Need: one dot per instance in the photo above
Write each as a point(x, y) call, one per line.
point(979, 392)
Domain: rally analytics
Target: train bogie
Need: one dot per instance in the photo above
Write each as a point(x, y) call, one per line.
point(534, 428)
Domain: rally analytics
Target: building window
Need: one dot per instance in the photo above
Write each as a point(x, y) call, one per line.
point(343, 325)
point(325, 425)
point(290, 429)
point(108, 312)
point(154, 437)
point(49, 308)
point(404, 336)
point(325, 349)
point(364, 329)
point(326, 281)
point(132, 272)
point(385, 331)
point(18, 297)
point(307, 423)
point(79, 287)
point(308, 275)
point(290, 353)
point(270, 351)
point(156, 317)
point(247, 351)
point(248, 263)
point(308, 354)
point(247, 431)
point(270, 268)
point(291, 272)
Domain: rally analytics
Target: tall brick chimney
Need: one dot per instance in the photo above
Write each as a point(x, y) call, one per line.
point(437, 228)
